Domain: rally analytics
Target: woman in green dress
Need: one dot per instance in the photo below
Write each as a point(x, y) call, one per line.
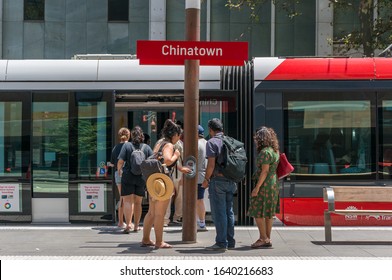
point(265, 194)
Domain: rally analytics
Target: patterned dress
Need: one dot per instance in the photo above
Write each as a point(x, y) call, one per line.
point(265, 204)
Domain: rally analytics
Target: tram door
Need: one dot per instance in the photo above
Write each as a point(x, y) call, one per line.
point(151, 115)
point(49, 159)
point(151, 120)
point(70, 145)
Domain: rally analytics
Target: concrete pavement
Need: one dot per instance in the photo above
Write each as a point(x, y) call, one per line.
point(70, 242)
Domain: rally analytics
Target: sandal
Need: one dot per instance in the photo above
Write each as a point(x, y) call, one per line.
point(257, 244)
point(261, 244)
point(150, 244)
point(164, 245)
point(137, 229)
point(127, 230)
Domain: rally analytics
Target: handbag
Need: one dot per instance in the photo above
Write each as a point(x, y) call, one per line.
point(284, 167)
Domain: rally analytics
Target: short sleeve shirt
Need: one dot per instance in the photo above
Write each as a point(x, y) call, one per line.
point(214, 149)
point(115, 153)
point(202, 161)
point(126, 151)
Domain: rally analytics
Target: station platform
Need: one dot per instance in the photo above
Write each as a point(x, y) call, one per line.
point(89, 242)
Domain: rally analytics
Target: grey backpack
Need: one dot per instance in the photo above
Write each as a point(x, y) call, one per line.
point(136, 159)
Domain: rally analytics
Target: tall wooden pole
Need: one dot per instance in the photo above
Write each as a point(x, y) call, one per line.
point(191, 120)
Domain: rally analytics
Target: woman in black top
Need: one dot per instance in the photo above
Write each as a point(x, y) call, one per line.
point(133, 185)
point(124, 135)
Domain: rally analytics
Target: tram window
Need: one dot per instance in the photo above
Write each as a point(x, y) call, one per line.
point(34, 9)
point(92, 139)
point(49, 146)
point(10, 139)
point(330, 138)
point(385, 160)
point(118, 10)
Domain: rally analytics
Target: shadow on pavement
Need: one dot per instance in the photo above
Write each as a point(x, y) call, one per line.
point(352, 242)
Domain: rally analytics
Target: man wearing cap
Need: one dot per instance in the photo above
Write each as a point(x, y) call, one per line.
point(201, 168)
point(221, 190)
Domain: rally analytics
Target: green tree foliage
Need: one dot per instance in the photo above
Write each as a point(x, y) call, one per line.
point(373, 32)
point(254, 5)
point(374, 29)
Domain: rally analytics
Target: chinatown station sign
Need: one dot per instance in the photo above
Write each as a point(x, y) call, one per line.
point(176, 52)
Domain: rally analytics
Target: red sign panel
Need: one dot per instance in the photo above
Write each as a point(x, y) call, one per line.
point(176, 52)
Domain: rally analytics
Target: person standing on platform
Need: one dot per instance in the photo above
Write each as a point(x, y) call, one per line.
point(124, 135)
point(133, 185)
point(201, 167)
point(265, 194)
point(177, 177)
point(157, 207)
point(221, 190)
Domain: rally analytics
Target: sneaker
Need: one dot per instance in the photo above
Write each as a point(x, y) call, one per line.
point(165, 225)
point(178, 221)
point(216, 247)
point(201, 227)
point(231, 247)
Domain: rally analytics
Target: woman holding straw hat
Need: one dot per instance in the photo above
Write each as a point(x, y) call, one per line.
point(160, 186)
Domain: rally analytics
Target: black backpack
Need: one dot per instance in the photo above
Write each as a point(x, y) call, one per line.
point(232, 159)
point(136, 159)
point(154, 164)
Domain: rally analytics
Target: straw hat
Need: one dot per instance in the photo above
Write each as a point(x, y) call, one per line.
point(160, 186)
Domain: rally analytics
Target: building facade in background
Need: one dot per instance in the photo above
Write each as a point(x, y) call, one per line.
point(59, 29)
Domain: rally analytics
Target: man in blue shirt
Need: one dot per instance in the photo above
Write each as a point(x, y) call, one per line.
point(221, 190)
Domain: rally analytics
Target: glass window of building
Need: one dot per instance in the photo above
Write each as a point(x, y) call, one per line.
point(34, 9)
point(175, 20)
point(332, 137)
point(118, 10)
point(226, 24)
point(295, 35)
point(346, 19)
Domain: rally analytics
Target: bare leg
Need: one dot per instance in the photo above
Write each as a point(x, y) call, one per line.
point(132, 200)
point(166, 219)
point(178, 200)
point(160, 207)
point(268, 223)
point(128, 211)
point(147, 223)
point(137, 210)
point(261, 225)
point(201, 209)
point(120, 208)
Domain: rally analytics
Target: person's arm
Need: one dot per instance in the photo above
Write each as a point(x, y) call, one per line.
point(168, 156)
point(112, 158)
point(184, 169)
point(262, 177)
point(121, 157)
point(209, 171)
point(120, 165)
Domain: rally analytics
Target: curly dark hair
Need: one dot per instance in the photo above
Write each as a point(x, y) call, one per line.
point(137, 135)
point(266, 137)
point(170, 129)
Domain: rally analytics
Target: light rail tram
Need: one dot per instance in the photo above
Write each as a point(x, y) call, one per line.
point(59, 118)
